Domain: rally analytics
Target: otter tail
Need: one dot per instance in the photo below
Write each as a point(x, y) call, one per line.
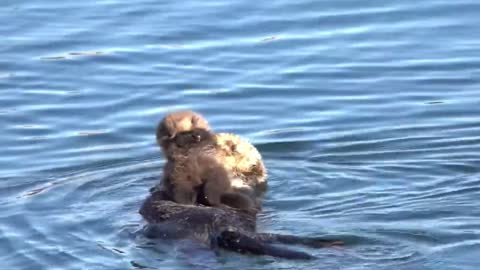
point(314, 242)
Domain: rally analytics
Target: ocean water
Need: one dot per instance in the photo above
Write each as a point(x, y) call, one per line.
point(367, 114)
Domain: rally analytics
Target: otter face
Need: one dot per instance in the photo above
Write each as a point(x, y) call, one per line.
point(178, 122)
point(197, 136)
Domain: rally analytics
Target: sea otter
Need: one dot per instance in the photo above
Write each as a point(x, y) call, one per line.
point(228, 228)
point(175, 133)
point(243, 161)
point(192, 174)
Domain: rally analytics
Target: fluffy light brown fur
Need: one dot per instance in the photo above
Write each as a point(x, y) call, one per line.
point(239, 157)
point(198, 178)
point(242, 160)
point(192, 174)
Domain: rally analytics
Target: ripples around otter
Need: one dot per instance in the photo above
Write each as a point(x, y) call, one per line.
point(366, 114)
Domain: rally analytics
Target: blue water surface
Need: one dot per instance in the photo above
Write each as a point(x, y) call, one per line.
point(367, 114)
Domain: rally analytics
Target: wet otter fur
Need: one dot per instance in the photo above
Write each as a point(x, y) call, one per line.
point(228, 228)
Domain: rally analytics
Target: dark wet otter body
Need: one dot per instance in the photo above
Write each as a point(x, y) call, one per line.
point(228, 228)
point(183, 135)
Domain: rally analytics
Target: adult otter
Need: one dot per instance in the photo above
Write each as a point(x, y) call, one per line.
point(228, 228)
point(179, 131)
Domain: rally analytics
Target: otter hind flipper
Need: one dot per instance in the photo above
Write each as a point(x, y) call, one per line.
point(314, 242)
point(242, 243)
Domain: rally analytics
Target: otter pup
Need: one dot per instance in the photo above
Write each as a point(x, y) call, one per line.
point(240, 158)
point(192, 175)
point(200, 179)
point(243, 161)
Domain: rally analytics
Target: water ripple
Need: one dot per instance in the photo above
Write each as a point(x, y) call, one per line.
point(365, 113)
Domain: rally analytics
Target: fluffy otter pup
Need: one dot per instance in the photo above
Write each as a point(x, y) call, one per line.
point(240, 158)
point(192, 175)
point(243, 161)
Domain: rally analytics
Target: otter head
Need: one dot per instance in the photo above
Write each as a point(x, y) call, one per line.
point(176, 123)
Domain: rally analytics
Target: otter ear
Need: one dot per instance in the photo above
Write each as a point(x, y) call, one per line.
point(171, 128)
